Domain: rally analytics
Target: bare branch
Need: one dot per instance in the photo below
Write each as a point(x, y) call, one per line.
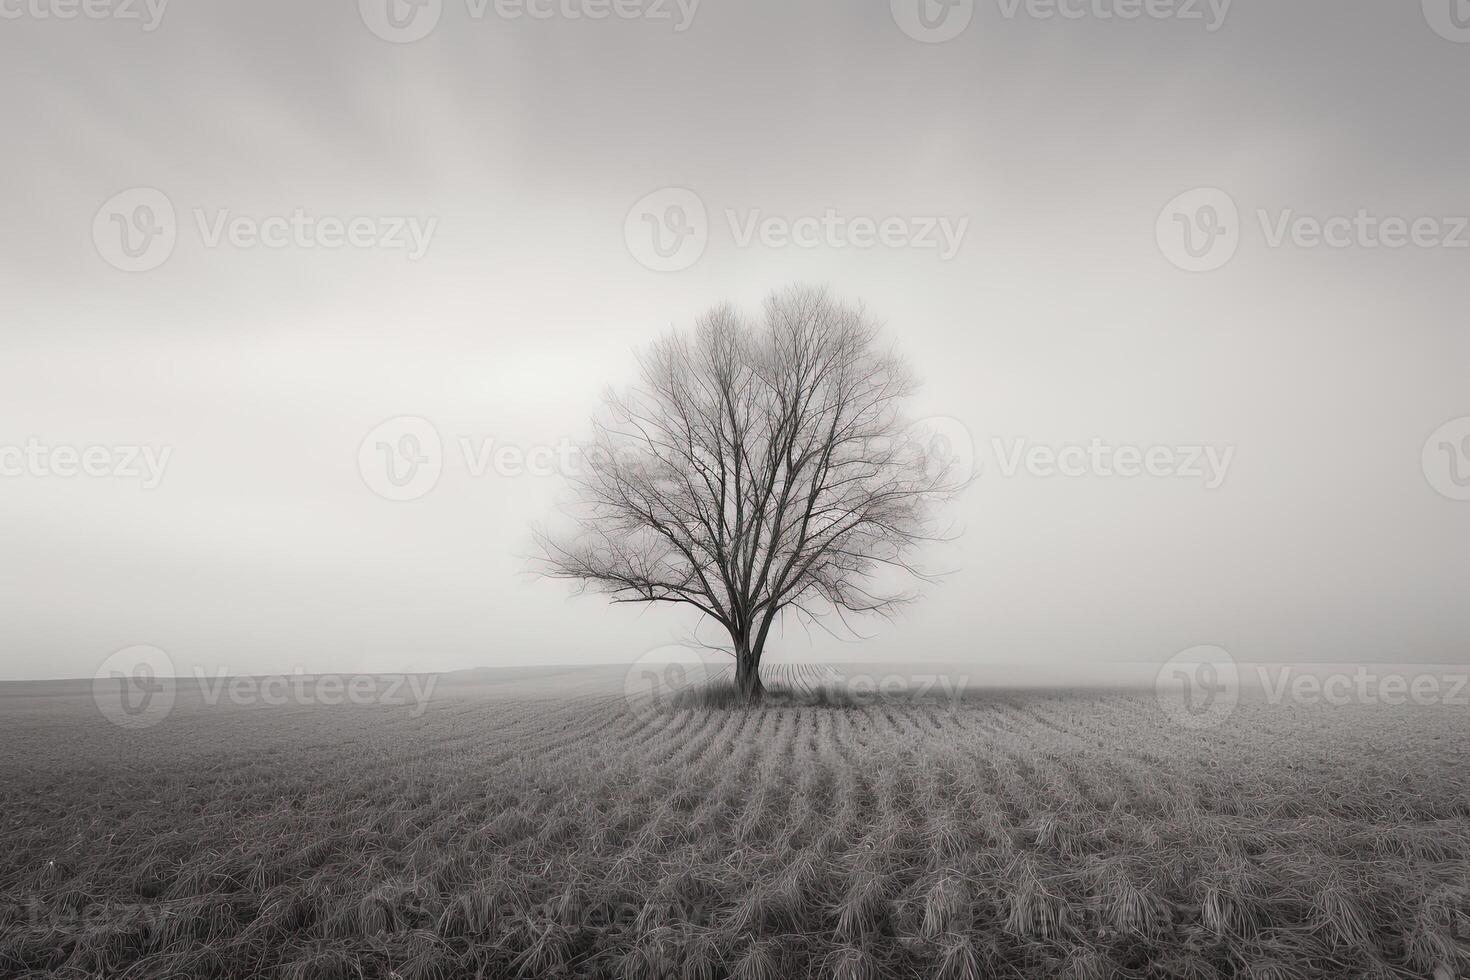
point(757, 466)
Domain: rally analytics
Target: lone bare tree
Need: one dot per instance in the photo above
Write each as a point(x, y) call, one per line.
point(758, 466)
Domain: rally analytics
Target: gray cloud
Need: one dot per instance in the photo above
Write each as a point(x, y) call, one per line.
point(1058, 321)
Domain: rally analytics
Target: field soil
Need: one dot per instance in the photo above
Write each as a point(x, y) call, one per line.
point(543, 825)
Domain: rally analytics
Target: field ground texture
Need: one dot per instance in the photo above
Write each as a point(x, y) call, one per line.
point(555, 829)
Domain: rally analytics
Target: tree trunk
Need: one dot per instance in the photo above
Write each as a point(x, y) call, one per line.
point(748, 673)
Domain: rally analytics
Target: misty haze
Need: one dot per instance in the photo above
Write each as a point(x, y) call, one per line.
point(686, 490)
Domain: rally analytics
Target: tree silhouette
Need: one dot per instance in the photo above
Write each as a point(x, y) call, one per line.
point(758, 466)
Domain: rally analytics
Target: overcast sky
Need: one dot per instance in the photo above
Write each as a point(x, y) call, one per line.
point(499, 284)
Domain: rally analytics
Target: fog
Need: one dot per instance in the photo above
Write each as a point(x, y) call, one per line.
point(504, 166)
